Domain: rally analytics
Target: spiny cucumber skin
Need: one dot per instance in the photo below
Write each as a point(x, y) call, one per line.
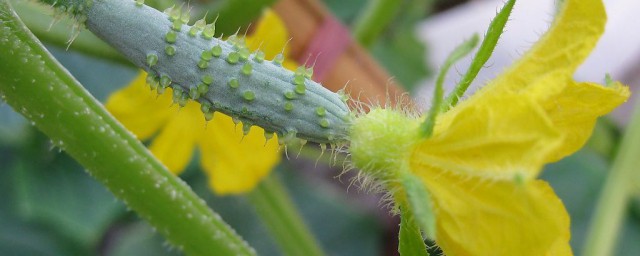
point(138, 31)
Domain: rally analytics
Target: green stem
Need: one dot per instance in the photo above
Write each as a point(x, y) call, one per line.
point(612, 205)
point(484, 53)
point(373, 19)
point(57, 32)
point(278, 213)
point(35, 85)
point(436, 104)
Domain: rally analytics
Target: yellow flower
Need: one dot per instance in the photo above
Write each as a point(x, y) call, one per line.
point(233, 162)
point(480, 165)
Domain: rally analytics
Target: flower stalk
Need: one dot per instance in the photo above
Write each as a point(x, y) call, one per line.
point(373, 19)
point(278, 213)
point(612, 205)
point(39, 88)
point(482, 56)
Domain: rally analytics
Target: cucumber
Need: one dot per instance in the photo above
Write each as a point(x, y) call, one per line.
point(222, 75)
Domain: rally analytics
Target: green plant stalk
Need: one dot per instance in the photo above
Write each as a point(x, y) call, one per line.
point(611, 208)
point(373, 19)
point(277, 212)
point(38, 87)
point(484, 53)
point(436, 104)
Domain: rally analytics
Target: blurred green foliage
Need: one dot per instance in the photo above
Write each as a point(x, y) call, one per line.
point(577, 180)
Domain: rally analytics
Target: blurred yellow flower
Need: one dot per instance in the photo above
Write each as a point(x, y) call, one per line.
point(481, 163)
point(234, 163)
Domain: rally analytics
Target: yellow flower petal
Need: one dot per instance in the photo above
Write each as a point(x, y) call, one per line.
point(175, 144)
point(532, 114)
point(289, 64)
point(564, 47)
point(500, 137)
point(137, 107)
point(575, 110)
point(542, 80)
point(480, 217)
point(271, 36)
point(235, 164)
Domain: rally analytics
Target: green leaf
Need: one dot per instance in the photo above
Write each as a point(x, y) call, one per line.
point(17, 235)
point(234, 15)
point(419, 202)
point(577, 180)
point(346, 11)
point(605, 138)
point(53, 190)
point(410, 237)
point(11, 125)
point(20, 238)
point(138, 238)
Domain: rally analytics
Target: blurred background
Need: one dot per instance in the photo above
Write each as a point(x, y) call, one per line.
point(50, 206)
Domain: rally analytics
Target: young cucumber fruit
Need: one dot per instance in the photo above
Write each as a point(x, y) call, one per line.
point(221, 75)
